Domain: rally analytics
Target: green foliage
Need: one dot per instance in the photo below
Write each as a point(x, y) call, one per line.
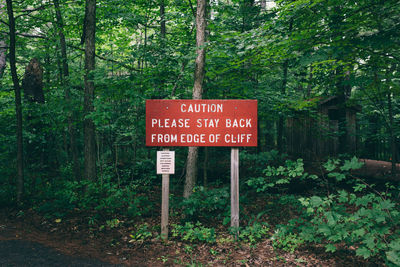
point(107, 199)
point(254, 164)
point(110, 224)
point(341, 171)
point(206, 203)
point(194, 232)
point(368, 222)
point(280, 176)
point(286, 240)
point(288, 58)
point(254, 232)
point(141, 233)
point(393, 253)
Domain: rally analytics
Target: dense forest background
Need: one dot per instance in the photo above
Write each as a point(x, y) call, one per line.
point(74, 77)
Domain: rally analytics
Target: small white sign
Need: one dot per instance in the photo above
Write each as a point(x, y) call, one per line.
point(165, 162)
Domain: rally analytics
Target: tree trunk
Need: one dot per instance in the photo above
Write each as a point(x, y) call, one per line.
point(18, 106)
point(191, 167)
point(391, 134)
point(310, 79)
point(89, 128)
point(3, 46)
point(2, 55)
point(162, 17)
point(281, 118)
point(65, 82)
point(391, 124)
point(283, 91)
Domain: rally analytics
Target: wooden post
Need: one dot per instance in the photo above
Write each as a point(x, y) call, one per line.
point(235, 188)
point(165, 204)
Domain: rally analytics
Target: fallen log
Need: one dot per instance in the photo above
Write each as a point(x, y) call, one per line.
point(378, 169)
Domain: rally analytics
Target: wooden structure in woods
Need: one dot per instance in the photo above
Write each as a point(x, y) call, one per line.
point(328, 130)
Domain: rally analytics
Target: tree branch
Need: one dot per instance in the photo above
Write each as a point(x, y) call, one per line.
point(126, 66)
point(106, 59)
point(35, 17)
point(28, 11)
point(191, 7)
point(27, 35)
point(31, 35)
point(2, 21)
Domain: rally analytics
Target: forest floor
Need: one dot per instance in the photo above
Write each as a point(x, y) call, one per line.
point(71, 243)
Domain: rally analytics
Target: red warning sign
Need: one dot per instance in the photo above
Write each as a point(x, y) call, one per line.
point(201, 123)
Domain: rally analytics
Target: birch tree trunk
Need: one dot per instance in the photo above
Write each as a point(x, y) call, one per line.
point(201, 23)
point(89, 128)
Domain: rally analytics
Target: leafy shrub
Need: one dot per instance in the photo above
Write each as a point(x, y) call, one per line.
point(363, 218)
point(141, 233)
point(282, 175)
point(110, 224)
point(254, 231)
point(107, 198)
point(206, 203)
point(254, 164)
point(192, 233)
point(368, 222)
point(338, 172)
point(285, 239)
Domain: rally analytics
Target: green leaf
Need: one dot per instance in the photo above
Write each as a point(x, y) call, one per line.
point(363, 252)
point(393, 256)
point(330, 165)
point(339, 176)
point(343, 196)
point(380, 219)
point(330, 248)
point(395, 244)
point(387, 204)
point(359, 232)
point(316, 201)
point(363, 201)
point(359, 187)
point(324, 229)
point(369, 241)
point(282, 181)
point(352, 164)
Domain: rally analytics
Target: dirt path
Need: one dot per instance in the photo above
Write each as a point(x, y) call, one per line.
point(28, 253)
point(31, 240)
point(22, 245)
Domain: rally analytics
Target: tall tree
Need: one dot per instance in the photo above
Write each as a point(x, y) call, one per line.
point(281, 120)
point(18, 106)
point(162, 17)
point(65, 82)
point(3, 37)
point(201, 24)
point(89, 127)
point(2, 54)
